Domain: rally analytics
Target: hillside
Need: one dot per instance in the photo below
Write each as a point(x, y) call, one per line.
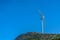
point(38, 36)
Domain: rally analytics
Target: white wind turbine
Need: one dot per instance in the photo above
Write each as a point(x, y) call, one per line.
point(42, 19)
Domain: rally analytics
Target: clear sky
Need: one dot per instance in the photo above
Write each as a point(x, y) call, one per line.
point(21, 16)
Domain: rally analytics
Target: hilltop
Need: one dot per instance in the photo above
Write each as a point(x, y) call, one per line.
point(38, 36)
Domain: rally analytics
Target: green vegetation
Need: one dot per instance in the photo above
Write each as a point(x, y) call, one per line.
point(38, 36)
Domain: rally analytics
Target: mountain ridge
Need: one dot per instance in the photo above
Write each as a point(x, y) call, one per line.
point(38, 36)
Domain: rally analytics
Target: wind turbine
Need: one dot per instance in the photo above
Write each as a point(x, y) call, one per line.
point(42, 19)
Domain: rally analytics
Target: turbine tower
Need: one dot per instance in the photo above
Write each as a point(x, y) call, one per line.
point(42, 19)
point(42, 23)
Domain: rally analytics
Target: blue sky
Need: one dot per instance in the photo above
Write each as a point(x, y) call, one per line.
point(21, 16)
